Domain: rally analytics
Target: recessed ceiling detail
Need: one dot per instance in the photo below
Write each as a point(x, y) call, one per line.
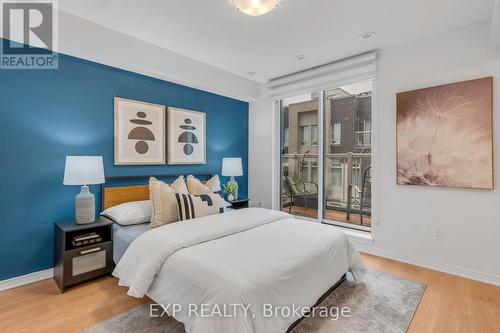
point(255, 7)
point(367, 35)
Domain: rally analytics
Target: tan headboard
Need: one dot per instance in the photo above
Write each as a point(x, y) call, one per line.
point(115, 195)
point(112, 196)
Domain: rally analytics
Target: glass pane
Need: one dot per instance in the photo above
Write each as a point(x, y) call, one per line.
point(336, 133)
point(285, 137)
point(348, 154)
point(314, 134)
point(304, 135)
point(299, 185)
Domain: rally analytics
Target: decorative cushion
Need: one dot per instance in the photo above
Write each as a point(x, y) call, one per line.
point(191, 206)
point(129, 213)
point(196, 187)
point(163, 200)
point(179, 185)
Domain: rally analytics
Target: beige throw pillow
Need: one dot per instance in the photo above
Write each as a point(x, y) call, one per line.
point(179, 185)
point(163, 199)
point(196, 187)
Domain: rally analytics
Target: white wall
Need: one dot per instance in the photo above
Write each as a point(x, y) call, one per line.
point(260, 154)
point(408, 216)
point(87, 40)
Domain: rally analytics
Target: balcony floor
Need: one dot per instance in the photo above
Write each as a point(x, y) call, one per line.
point(330, 215)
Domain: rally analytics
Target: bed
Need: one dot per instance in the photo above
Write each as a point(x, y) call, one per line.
point(123, 236)
point(243, 267)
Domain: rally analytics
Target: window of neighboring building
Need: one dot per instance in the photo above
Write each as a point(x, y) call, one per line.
point(314, 134)
point(367, 125)
point(336, 182)
point(337, 175)
point(364, 133)
point(356, 175)
point(336, 133)
point(285, 137)
point(304, 135)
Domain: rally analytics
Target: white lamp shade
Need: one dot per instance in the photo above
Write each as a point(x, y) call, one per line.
point(231, 166)
point(83, 170)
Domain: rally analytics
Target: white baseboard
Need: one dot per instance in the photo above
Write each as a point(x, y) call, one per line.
point(26, 279)
point(430, 264)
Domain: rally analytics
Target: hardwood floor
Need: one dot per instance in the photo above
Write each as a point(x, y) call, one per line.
point(450, 304)
point(40, 307)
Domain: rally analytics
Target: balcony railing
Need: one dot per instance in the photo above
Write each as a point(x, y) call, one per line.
point(344, 180)
point(364, 138)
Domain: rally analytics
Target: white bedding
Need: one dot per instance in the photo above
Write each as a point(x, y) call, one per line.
point(250, 257)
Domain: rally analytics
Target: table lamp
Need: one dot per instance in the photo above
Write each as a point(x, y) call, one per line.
point(231, 167)
point(84, 171)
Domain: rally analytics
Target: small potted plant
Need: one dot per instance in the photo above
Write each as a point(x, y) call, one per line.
point(231, 189)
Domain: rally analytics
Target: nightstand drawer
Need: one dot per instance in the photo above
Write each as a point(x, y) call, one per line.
point(87, 262)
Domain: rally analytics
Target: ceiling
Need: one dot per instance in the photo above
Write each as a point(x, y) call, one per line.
point(212, 32)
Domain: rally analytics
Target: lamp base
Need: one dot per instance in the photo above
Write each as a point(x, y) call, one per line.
point(85, 206)
point(235, 194)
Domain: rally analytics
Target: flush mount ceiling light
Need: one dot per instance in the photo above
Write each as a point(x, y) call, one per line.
point(367, 35)
point(251, 73)
point(255, 7)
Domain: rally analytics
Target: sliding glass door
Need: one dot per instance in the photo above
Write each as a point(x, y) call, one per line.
point(299, 159)
point(348, 155)
point(332, 184)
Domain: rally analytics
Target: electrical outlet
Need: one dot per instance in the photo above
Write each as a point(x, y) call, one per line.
point(438, 234)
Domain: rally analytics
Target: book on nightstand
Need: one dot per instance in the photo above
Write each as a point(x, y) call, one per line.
point(86, 239)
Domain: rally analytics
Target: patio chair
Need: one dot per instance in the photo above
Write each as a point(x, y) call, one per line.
point(297, 191)
point(366, 198)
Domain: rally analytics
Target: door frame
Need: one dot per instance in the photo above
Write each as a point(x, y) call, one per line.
point(278, 157)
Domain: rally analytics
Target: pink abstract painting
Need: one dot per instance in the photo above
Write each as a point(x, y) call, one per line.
point(445, 135)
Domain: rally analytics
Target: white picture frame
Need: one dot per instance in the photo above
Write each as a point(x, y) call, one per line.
point(186, 136)
point(139, 132)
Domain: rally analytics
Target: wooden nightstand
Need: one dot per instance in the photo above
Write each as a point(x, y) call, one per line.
point(82, 262)
point(239, 203)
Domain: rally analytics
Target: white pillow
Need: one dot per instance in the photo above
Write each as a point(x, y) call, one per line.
point(129, 213)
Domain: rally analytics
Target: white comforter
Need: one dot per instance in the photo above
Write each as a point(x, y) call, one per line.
point(251, 257)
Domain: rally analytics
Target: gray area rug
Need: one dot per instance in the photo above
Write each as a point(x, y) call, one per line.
point(382, 303)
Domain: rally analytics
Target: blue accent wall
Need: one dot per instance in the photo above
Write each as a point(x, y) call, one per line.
point(48, 114)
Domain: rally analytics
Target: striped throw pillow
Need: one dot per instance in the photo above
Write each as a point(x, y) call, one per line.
point(191, 206)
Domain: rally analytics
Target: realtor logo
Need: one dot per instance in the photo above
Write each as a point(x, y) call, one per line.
point(29, 32)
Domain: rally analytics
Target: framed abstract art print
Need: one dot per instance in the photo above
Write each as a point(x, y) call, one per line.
point(139, 132)
point(186, 136)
